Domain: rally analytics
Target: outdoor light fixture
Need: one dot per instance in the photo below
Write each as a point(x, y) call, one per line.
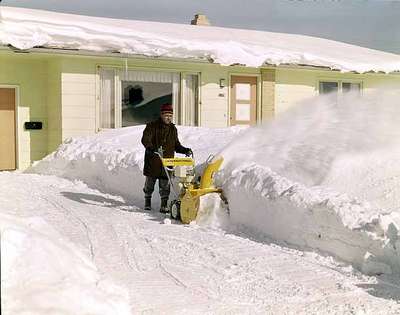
point(221, 83)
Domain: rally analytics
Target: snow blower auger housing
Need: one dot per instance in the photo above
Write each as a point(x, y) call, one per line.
point(186, 203)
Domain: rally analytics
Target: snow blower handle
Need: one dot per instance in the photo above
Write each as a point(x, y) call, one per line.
point(160, 152)
point(210, 158)
point(189, 153)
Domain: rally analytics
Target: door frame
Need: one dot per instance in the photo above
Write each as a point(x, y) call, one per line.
point(258, 94)
point(16, 104)
point(182, 104)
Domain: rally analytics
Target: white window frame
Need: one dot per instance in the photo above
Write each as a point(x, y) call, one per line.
point(118, 93)
point(182, 104)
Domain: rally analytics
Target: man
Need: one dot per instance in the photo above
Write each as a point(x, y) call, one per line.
point(160, 136)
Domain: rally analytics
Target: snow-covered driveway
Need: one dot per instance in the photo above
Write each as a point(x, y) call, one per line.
point(173, 268)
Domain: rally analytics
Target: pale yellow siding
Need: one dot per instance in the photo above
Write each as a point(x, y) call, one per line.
point(296, 85)
point(268, 78)
point(30, 76)
point(78, 97)
point(292, 86)
point(54, 104)
point(214, 99)
point(62, 92)
point(373, 82)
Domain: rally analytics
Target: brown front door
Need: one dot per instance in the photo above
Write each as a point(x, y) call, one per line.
point(243, 100)
point(7, 129)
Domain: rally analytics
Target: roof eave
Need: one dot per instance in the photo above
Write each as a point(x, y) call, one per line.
point(323, 68)
point(90, 53)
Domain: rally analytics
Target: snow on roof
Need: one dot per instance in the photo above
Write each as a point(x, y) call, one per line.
point(27, 28)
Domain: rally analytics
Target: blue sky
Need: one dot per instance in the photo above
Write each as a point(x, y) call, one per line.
point(369, 23)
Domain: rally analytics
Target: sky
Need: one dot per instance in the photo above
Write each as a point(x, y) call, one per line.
point(369, 23)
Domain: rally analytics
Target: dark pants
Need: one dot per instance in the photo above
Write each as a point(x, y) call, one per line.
point(163, 186)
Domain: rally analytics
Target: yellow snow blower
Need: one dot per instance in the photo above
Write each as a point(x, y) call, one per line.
point(187, 197)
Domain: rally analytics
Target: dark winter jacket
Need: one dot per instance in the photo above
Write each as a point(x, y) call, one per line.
point(156, 135)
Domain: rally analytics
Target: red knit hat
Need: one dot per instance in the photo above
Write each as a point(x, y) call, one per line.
point(166, 108)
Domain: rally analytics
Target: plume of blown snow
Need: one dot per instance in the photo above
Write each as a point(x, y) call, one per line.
point(304, 143)
point(301, 178)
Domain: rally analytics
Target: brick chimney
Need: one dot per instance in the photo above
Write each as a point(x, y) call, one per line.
point(200, 19)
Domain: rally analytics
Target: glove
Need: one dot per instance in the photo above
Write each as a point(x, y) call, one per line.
point(149, 151)
point(189, 152)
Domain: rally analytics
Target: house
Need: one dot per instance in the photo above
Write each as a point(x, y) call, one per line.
point(65, 75)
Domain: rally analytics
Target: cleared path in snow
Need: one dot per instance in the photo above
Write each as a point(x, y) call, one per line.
point(173, 268)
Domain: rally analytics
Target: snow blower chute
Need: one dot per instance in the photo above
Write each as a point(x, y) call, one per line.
point(186, 202)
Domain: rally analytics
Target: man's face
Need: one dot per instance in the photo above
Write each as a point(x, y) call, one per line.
point(166, 118)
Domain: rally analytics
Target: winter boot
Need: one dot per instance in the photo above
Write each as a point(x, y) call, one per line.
point(164, 206)
point(147, 204)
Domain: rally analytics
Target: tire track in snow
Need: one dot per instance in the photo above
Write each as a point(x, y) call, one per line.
point(59, 206)
point(210, 271)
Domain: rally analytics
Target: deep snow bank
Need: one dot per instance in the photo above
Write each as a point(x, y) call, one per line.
point(283, 180)
point(43, 273)
point(266, 204)
point(112, 161)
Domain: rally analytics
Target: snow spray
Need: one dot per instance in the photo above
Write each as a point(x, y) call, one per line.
point(323, 176)
point(303, 143)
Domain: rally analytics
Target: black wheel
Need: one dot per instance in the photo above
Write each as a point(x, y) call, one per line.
point(175, 210)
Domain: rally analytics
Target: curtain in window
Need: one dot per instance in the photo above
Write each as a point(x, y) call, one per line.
point(191, 100)
point(107, 98)
point(147, 76)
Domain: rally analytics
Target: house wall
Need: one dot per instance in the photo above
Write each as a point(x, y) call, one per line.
point(296, 85)
point(54, 104)
point(79, 89)
point(78, 97)
point(30, 76)
point(62, 91)
point(214, 107)
point(268, 79)
point(292, 86)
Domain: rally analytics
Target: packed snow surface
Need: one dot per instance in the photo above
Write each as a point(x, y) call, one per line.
point(54, 231)
point(43, 272)
point(281, 179)
point(27, 28)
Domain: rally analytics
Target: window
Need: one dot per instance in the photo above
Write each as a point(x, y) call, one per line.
point(348, 87)
point(141, 100)
point(107, 98)
point(129, 98)
point(326, 87)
